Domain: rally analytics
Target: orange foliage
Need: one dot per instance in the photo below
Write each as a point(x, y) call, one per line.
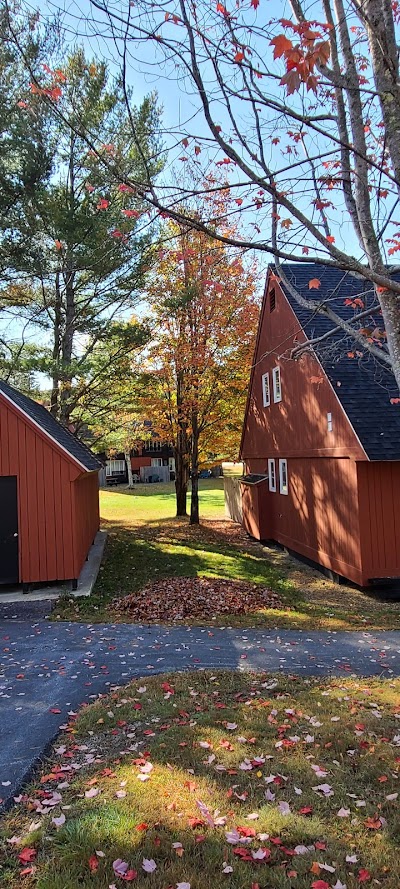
point(205, 315)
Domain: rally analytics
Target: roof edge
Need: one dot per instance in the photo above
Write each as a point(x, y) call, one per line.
point(46, 434)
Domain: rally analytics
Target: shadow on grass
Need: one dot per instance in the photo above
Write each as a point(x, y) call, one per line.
point(163, 812)
point(133, 561)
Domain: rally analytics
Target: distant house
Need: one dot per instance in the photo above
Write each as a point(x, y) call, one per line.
point(49, 494)
point(321, 434)
point(151, 459)
point(155, 454)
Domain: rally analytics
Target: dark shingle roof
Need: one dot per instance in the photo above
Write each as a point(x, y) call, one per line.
point(51, 427)
point(363, 384)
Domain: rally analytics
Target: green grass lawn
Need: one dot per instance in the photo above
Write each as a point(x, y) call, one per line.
point(147, 543)
point(195, 781)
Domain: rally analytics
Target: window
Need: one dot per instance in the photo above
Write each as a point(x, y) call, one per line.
point(265, 390)
point(276, 383)
point(156, 461)
point(283, 477)
point(329, 422)
point(115, 467)
point(272, 299)
point(271, 475)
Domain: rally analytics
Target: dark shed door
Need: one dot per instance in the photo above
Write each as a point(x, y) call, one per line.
point(9, 572)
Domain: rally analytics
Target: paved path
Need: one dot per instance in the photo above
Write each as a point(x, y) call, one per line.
point(45, 666)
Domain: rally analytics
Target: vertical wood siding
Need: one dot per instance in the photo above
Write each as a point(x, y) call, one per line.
point(319, 517)
point(86, 516)
point(52, 532)
point(379, 503)
point(297, 425)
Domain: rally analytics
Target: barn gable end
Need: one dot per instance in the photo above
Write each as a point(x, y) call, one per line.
point(58, 517)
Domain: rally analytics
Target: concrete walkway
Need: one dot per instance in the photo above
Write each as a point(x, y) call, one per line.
point(56, 666)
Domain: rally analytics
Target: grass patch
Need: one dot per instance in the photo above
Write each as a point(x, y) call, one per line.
point(146, 543)
point(232, 764)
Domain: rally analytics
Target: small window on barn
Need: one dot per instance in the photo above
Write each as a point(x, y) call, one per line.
point(329, 422)
point(265, 390)
point(276, 384)
point(283, 477)
point(272, 299)
point(271, 474)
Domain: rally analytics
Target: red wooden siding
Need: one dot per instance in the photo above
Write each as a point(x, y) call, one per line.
point(86, 516)
point(296, 426)
point(55, 523)
point(379, 504)
point(319, 517)
point(137, 462)
point(256, 509)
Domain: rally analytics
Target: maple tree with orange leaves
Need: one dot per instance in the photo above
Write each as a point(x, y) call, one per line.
point(205, 316)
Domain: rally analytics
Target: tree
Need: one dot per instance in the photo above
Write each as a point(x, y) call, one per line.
point(205, 316)
point(76, 254)
point(109, 403)
point(305, 113)
point(25, 153)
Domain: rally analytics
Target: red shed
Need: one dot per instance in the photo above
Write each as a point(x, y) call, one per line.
point(49, 494)
point(323, 430)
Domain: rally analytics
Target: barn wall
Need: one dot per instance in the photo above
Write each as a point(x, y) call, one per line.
point(86, 516)
point(45, 516)
point(298, 424)
point(379, 504)
point(319, 517)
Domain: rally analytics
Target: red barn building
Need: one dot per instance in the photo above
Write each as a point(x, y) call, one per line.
point(321, 435)
point(49, 494)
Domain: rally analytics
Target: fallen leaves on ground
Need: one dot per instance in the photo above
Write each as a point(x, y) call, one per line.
point(179, 598)
point(230, 762)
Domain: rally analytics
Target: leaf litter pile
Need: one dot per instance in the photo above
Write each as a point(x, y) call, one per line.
point(180, 598)
point(236, 780)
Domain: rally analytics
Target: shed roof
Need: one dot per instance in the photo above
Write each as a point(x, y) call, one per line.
point(363, 384)
point(78, 451)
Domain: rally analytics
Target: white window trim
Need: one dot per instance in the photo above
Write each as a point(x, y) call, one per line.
point(276, 375)
point(271, 474)
point(115, 467)
point(283, 489)
point(266, 392)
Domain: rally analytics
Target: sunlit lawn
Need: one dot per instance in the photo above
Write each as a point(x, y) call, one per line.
point(147, 543)
point(208, 780)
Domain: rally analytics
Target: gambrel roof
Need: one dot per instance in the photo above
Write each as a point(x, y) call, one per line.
point(51, 428)
point(363, 384)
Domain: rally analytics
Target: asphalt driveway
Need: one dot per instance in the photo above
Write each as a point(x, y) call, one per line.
point(48, 669)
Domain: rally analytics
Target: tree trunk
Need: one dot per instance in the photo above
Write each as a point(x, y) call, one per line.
point(181, 482)
point(181, 452)
point(389, 302)
point(131, 483)
point(55, 394)
point(70, 320)
point(181, 496)
point(194, 507)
